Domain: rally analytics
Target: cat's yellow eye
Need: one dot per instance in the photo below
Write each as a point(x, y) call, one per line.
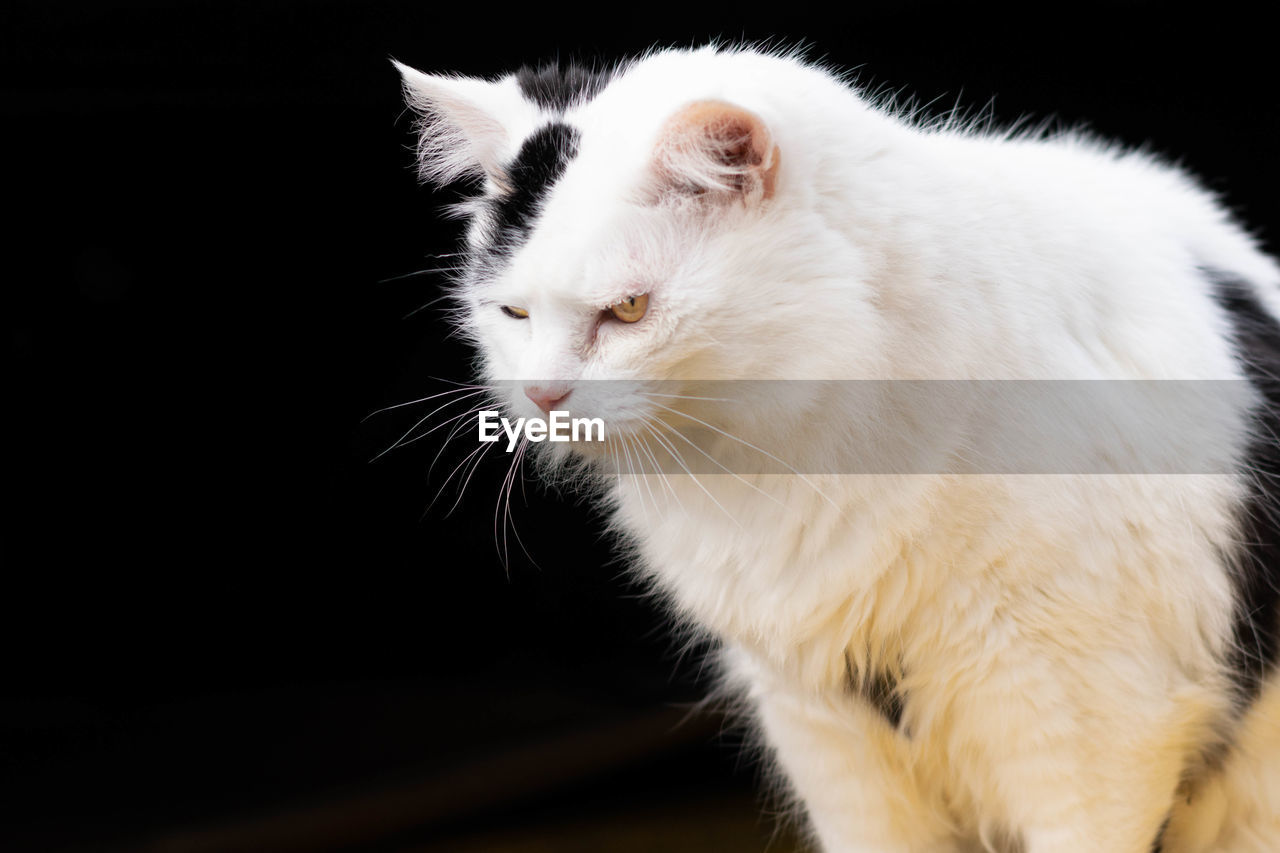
point(517, 313)
point(630, 309)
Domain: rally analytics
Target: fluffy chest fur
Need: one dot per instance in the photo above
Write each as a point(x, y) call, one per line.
point(995, 628)
point(949, 582)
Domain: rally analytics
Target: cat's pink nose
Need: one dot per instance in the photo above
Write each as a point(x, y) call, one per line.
point(547, 398)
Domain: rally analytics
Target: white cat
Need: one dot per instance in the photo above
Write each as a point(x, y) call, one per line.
point(942, 656)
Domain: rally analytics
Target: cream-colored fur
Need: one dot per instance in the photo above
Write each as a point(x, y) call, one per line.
point(1052, 693)
point(1235, 808)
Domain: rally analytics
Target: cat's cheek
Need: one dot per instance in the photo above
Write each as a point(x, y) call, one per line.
point(503, 355)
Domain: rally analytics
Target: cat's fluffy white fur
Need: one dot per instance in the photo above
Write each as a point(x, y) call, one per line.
point(1060, 640)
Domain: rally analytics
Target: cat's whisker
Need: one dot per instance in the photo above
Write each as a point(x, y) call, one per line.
point(658, 467)
point(415, 402)
point(499, 520)
point(722, 467)
point(635, 442)
point(516, 470)
point(748, 444)
point(467, 475)
point(460, 384)
point(470, 473)
point(400, 442)
point(686, 397)
point(613, 446)
point(499, 523)
point(631, 474)
point(416, 273)
point(616, 452)
point(459, 423)
point(427, 305)
point(502, 512)
point(675, 454)
point(476, 454)
point(639, 473)
point(524, 496)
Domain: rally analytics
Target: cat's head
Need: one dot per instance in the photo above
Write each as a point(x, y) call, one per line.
point(657, 223)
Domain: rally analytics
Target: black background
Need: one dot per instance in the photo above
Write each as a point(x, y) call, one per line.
point(214, 605)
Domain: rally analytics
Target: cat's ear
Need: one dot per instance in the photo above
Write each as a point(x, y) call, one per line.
point(463, 123)
point(717, 150)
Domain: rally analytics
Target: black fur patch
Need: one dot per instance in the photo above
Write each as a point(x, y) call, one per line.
point(1257, 629)
point(540, 162)
point(880, 691)
point(554, 88)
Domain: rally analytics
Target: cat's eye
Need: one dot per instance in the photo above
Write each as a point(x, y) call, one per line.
point(630, 309)
point(515, 313)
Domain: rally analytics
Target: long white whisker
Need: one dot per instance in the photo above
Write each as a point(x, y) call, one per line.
point(518, 472)
point(638, 473)
point(415, 402)
point(658, 467)
point(477, 452)
point(424, 419)
point(632, 474)
point(459, 384)
point(500, 538)
point(614, 448)
point(719, 465)
point(645, 477)
point(466, 482)
point(686, 397)
point(680, 461)
point(802, 477)
point(424, 271)
point(436, 301)
point(459, 423)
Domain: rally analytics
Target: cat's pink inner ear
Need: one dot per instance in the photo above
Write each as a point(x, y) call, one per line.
point(712, 147)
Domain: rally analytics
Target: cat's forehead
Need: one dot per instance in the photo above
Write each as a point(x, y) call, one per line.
point(578, 159)
point(582, 231)
point(570, 177)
